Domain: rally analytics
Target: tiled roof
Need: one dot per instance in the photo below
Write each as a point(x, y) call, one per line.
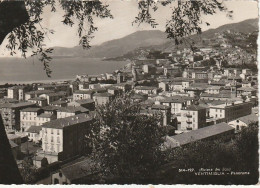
point(68, 121)
point(72, 109)
point(84, 101)
point(199, 134)
point(79, 170)
point(17, 105)
point(145, 88)
point(34, 129)
point(40, 92)
point(249, 119)
point(194, 108)
point(31, 109)
point(45, 115)
point(38, 99)
point(103, 95)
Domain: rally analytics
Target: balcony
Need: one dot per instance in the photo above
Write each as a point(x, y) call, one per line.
point(188, 115)
point(189, 121)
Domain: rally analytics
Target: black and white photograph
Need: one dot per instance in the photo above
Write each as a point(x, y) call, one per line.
point(129, 92)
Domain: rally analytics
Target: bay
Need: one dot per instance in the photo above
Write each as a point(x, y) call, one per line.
point(20, 70)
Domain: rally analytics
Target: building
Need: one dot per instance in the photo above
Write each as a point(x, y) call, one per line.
point(146, 90)
point(11, 114)
point(63, 138)
point(230, 111)
point(70, 111)
point(102, 98)
point(39, 101)
point(28, 117)
point(176, 103)
point(34, 133)
point(79, 171)
point(192, 117)
point(16, 92)
point(45, 117)
point(79, 95)
point(51, 97)
point(214, 89)
point(199, 75)
point(83, 85)
point(229, 72)
point(85, 103)
point(221, 130)
point(37, 93)
point(243, 122)
point(59, 103)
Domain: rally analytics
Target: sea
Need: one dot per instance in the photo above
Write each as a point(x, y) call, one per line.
point(19, 70)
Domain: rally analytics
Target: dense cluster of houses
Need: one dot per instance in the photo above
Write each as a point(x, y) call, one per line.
point(197, 102)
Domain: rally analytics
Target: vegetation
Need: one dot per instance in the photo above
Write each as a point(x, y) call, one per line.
point(126, 144)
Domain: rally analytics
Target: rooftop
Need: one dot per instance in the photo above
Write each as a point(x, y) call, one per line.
point(45, 115)
point(72, 109)
point(199, 134)
point(249, 119)
point(103, 95)
point(68, 121)
point(84, 101)
point(194, 108)
point(31, 109)
point(34, 129)
point(80, 169)
point(145, 88)
point(17, 105)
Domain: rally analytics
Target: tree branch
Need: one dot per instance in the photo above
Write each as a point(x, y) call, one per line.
point(12, 15)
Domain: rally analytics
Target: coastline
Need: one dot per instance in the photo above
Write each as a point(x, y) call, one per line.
point(37, 81)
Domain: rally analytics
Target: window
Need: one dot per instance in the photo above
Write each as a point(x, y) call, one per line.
point(56, 181)
point(58, 139)
point(51, 138)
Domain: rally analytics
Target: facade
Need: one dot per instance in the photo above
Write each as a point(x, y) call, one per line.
point(243, 122)
point(11, 114)
point(230, 111)
point(199, 75)
point(39, 101)
point(28, 117)
point(37, 93)
point(16, 92)
point(102, 98)
point(70, 111)
point(146, 90)
point(34, 133)
point(45, 117)
point(63, 138)
point(79, 95)
point(85, 103)
point(192, 117)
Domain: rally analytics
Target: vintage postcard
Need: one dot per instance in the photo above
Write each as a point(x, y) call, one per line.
point(129, 92)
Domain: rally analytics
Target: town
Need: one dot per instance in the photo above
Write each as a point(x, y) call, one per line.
point(200, 97)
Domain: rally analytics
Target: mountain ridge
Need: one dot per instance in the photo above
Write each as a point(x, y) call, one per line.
point(147, 38)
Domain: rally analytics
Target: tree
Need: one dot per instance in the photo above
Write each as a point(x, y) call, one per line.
point(126, 144)
point(21, 20)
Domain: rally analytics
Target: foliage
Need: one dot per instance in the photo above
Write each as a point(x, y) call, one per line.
point(186, 18)
point(28, 171)
point(125, 143)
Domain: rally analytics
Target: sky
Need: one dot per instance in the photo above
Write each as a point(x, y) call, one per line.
point(124, 13)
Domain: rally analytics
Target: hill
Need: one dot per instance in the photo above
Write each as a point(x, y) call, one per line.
point(116, 47)
point(149, 39)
